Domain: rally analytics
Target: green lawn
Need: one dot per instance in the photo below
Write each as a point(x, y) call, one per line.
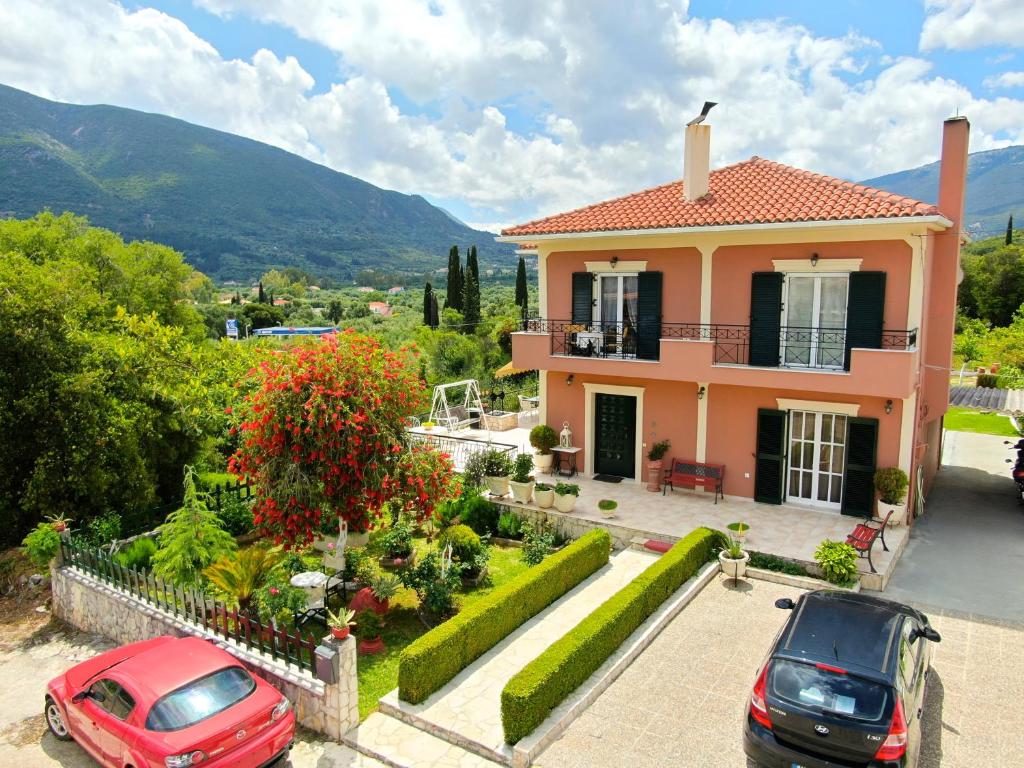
point(968, 420)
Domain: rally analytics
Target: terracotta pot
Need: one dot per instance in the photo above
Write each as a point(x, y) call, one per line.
point(365, 600)
point(371, 646)
point(339, 633)
point(60, 527)
point(994, 368)
point(654, 475)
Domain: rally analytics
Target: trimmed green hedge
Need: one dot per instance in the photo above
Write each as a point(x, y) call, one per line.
point(433, 659)
point(543, 684)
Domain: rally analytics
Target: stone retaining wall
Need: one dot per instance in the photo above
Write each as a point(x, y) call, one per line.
point(330, 708)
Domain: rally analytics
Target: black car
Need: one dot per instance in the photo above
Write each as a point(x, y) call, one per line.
point(842, 686)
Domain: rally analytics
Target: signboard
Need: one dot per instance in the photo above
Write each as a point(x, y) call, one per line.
point(232, 329)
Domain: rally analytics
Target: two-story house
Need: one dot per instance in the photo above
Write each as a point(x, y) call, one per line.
point(791, 326)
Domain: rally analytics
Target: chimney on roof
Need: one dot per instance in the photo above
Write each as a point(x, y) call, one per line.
point(697, 155)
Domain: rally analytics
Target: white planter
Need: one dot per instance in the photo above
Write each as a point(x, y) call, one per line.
point(522, 492)
point(733, 569)
point(545, 499)
point(740, 536)
point(498, 486)
point(899, 512)
point(564, 502)
point(356, 540)
point(543, 461)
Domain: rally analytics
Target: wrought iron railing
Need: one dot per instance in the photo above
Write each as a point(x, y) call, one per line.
point(192, 606)
point(459, 449)
point(795, 346)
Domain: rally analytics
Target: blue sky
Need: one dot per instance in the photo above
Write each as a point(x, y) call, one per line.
point(505, 110)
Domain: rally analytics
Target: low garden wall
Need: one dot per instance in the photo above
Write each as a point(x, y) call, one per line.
point(329, 707)
point(530, 696)
point(430, 661)
point(572, 525)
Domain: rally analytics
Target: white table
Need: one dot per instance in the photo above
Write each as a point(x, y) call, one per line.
point(314, 584)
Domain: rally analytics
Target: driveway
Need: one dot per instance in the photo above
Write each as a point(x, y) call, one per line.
point(683, 701)
point(966, 553)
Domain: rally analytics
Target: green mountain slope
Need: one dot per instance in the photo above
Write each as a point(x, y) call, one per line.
point(234, 206)
point(995, 188)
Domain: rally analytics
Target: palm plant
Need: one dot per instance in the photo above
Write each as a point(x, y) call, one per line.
point(239, 576)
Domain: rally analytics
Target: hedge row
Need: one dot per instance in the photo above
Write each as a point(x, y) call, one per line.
point(545, 682)
point(433, 659)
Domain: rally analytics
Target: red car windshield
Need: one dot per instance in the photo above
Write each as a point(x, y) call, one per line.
point(200, 699)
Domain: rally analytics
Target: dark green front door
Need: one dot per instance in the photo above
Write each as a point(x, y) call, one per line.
point(615, 435)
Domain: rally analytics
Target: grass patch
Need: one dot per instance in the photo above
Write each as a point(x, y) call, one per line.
point(968, 420)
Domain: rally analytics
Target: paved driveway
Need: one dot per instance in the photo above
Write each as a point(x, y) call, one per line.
point(967, 552)
point(683, 701)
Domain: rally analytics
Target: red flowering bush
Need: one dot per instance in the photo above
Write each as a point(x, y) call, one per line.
point(322, 437)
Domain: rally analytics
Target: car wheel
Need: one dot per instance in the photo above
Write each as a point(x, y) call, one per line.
point(55, 721)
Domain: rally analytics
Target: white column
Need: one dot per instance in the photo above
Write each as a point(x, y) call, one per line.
point(907, 433)
point(542, 393)
point(706, 253)
point(915, 301)
point(702, 422)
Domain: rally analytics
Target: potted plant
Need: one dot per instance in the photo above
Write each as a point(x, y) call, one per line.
point(522, 481)
point(497, 468)
point(428, 425)
point(58, 522)
point(891, 484)
point(738, 531)
point(396, 544)
point(655, 457)
point(733, 559)
point(340, 624)
point(370, 626)
point(565, 496)
point(544, 495)
point(608, 507)
point(469, 550)
point(543, 438)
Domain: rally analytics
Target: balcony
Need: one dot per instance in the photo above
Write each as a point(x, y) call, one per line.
point(721, 353)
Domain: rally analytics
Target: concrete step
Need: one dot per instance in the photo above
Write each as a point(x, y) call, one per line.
point(400, 745)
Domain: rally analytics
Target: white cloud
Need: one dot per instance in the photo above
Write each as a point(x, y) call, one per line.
point(1005, 80)
point(606, 93)
point(966, 24)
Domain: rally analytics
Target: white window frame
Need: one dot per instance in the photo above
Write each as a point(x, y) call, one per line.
point(815, 312)
point(814, 470)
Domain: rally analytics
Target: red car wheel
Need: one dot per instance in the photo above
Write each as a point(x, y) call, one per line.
point(55, 721)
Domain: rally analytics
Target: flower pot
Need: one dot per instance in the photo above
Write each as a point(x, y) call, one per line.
point(545, 499)
point(498, 486)
point(365, 600)
point(339, 633)
point(371, 645)
point(522, 492)
point(739, 535)
point(899, 512)
point(392, 563)
point(542, 461)
point(994, 368)
point(654, 475)
point(356, 539)
point(733, 569)
point(564, 502)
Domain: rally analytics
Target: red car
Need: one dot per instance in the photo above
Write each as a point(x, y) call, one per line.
point(170, 703)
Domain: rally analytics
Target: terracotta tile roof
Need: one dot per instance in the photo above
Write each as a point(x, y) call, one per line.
point(756, 191)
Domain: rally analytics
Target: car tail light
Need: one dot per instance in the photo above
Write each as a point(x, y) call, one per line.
point(895, 744)
point(758, 708)
point(185, 759)
point(280, 710)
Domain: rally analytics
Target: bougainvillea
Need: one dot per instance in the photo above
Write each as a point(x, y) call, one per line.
point(322, 436)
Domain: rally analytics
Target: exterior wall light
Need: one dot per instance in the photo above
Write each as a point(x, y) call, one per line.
point(613, 261)
point(569, 379)
point(814, 259)
point(888, 406)
point(700, 393)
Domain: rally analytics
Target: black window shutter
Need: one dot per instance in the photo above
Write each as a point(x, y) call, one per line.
point(859, 482)
point(765, 317)
point(582, 298)
point(865, 308)
point(770, 469)
point(648, 310)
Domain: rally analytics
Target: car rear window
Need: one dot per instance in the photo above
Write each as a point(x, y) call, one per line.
point(200, 699)
point(809, 686)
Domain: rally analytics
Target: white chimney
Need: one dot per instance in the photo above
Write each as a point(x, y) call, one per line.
point(696, 161)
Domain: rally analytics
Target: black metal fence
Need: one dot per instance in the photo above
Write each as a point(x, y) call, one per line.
point(194, 607)
point(136, 522)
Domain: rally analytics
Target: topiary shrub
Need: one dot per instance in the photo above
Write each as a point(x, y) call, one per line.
point(838, 562)
point(891, 484)
point(465, 543)
point(543, 438)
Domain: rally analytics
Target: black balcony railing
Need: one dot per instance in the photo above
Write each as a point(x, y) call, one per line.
point(795, 347)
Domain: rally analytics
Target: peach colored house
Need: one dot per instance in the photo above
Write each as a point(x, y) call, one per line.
point(791, 326)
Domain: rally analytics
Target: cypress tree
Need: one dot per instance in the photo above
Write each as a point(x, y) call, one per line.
point(428, 292)
point(435, 316)
point(470, 302)
point(472, 265)
point(454, 296)
point(522, 296)
point(1009, 231)
point(262, 297)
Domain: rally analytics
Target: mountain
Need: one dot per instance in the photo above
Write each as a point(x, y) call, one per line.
point(995, 188)
point(235, 207)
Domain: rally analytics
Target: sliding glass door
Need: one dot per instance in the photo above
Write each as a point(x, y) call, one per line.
point(814, 320)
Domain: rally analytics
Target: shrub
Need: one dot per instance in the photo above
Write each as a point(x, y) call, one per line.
point(777, 564)
point(137, 555)
point(41, 544)
point(473, 473)
point(543, 438)
point(104, 529)
point(236, 515)
point(987, 380)
point(538, 542)
point(658, 450)
point(369, 624)
point(496, 463)
point(891, 484)
point(838, 562)
point(528, 698)
point(396, 541)
point(480, 514)
point(522, 468)
point(433, 659)
point(278, 599)
point(465, 543)
point(434, 585)
point(510, 526)
point(354, 559)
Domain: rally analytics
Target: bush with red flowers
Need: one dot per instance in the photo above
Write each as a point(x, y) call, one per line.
point(322, 437)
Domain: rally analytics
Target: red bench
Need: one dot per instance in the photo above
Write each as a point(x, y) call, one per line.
point(690, 474)
point(864, 535)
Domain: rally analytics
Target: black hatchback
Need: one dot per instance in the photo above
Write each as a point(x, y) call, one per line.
point(842, 686)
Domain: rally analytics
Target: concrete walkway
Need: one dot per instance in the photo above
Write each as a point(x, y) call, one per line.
point(967, 553)
point(467, 711)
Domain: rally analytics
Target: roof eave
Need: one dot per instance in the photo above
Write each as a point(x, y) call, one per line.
point(934, 222)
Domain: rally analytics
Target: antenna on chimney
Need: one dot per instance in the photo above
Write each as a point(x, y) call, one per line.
point(703, 113)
